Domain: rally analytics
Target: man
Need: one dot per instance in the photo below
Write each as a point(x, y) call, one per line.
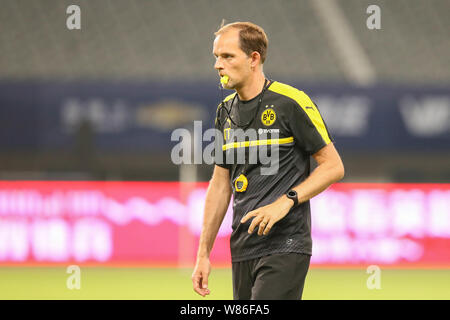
point(271, 238)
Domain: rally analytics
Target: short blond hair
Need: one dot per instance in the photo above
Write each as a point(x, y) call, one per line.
point(251, 37)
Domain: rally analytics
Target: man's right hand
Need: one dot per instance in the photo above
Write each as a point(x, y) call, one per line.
point(200, 276)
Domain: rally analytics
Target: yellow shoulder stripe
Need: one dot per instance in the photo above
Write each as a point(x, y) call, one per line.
point(229, 97)
point(224, 100)
point(305, 103)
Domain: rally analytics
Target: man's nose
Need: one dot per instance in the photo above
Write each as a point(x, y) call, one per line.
point(218, 64)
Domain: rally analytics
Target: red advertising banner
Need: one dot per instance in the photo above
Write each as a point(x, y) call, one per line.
point(159, 223)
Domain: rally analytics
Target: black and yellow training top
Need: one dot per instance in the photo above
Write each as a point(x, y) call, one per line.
point(270, 145)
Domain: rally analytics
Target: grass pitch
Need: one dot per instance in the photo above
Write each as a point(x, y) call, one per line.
point(175, 284)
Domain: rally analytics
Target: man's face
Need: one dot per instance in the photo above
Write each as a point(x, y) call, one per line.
point(230, 59)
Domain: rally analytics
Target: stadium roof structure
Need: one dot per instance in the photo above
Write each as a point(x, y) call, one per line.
point(167, 40)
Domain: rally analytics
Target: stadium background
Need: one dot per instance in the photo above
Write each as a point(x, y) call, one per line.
point(86, 117)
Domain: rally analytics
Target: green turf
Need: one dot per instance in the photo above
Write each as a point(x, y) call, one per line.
point(168, 284)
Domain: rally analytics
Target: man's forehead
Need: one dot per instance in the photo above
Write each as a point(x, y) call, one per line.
point(227, 40)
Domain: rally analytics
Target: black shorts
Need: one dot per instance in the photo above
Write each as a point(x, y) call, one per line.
point(274, 277)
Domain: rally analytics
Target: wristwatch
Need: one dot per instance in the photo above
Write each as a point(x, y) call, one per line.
point(292, 194)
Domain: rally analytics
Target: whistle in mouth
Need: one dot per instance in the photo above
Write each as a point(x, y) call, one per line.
point(224, 79)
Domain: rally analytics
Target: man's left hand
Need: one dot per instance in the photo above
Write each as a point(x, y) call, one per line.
point(267, 216)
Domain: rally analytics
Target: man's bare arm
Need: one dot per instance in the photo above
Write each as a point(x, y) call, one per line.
point(218, 198)
point(330, 169)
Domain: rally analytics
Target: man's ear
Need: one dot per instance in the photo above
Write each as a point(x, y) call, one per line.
point(256, 59)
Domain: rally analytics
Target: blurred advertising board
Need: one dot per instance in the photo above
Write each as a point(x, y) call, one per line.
point(159, 223)
point(136, 117)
